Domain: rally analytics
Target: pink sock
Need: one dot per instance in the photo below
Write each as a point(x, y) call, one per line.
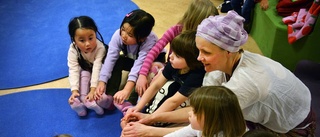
point(83, 97)
point(156, 66)
point(79, 107)
point(123, 107)
point(305, 30)
point(93, 105)
point(300, 19)
point(290, 19)
point(106, 102)
point(84, 84)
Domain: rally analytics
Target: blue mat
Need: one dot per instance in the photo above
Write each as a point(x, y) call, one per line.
point(45, 113)
point(34, 36)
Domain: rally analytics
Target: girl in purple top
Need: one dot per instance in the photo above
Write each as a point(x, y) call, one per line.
point(134, 39)
point(196, 12)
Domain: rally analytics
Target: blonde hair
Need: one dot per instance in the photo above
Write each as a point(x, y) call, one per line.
point(219, 107)
point(196, 12)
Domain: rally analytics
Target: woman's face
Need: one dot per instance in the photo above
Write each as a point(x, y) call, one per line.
point(195, 123)
point(177, 62)
point(127, 35)
point(211, 56)
point(85, 39)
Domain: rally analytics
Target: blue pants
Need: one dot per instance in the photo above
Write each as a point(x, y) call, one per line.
point(246, 9)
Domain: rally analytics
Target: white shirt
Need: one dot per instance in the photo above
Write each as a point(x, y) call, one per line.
point(187, 131)
point(268, 93)
point(94, 57)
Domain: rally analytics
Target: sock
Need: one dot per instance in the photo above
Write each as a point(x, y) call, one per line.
point(300, 19)
point(84, 84)
point(83, 97)
point(156, 66)
point(123, 107)
point(93, 105)
point(310, 19)
point(106, 102)
point(79, 107)
point(290, 19)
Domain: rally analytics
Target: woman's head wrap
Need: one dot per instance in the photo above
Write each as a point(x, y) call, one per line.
point(226, 31)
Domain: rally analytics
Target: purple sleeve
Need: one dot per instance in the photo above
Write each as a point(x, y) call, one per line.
point(144, 49)
point(112, 56)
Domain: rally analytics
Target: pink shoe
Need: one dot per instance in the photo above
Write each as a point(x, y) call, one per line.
point(123, 107)
point(106, 102)
point(94, 106)
point(79, 107)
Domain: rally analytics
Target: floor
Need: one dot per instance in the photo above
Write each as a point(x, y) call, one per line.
point(166, 14)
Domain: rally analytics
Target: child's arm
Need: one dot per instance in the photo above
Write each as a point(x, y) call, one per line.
point(107, 67)
point(100, 53)
point(124, 94)
point(111, 58)
point(74, 70)
point(168, 36)
point(172, 103)
point(151, 92)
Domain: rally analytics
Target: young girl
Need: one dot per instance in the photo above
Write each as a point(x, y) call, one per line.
point(196, 12)
point(183, 68)
point(215, 113)
point(134, 39)
point(85, 58)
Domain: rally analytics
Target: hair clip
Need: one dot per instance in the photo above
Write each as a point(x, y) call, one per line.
point(129, 14)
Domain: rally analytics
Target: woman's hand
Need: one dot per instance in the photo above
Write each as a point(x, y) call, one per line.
point(135, 129)
point(141, 117)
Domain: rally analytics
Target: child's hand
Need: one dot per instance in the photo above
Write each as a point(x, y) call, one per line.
point(264, 4)
point(99, 90)
point(90, 96)
point(141, 85)
point(74, 95)
point(129, 111)
point(120, 96)
point(126, 120)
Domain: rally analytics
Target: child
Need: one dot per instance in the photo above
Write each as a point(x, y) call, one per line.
point(134, 39)
point(183, 68)
point(245, 7)
point(196, 12)
point(215, 113)
point(85, 58)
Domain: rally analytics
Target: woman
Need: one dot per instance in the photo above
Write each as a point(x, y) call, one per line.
point(270, 96)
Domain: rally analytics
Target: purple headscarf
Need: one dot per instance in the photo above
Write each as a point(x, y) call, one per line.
point(226, 31)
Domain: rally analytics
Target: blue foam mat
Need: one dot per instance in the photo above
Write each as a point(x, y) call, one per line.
point(34, 36)
point(47, 113)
